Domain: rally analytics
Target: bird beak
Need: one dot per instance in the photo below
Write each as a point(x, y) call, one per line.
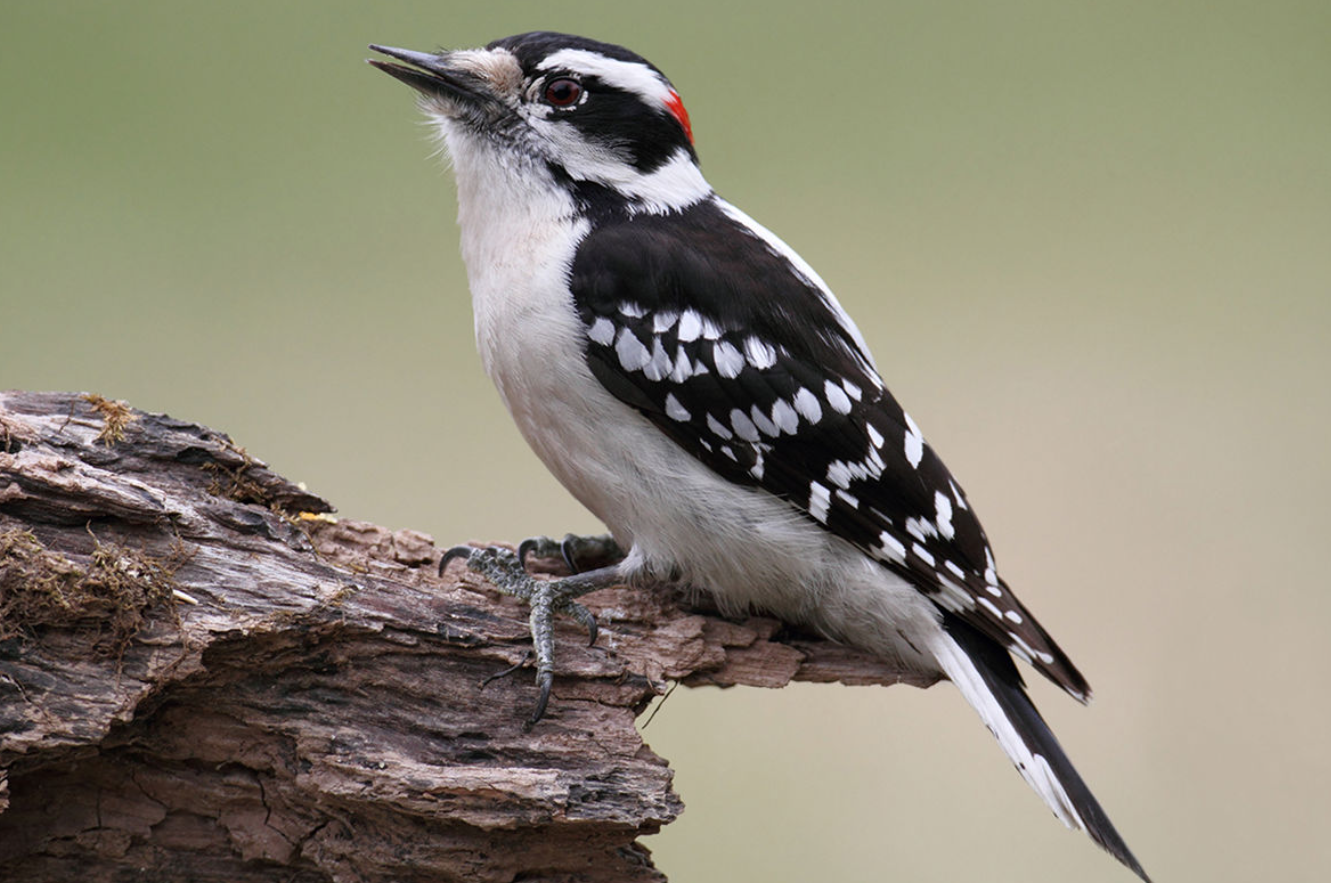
point(431, 75)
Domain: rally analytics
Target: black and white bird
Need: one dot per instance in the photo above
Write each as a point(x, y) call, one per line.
point(694, 383)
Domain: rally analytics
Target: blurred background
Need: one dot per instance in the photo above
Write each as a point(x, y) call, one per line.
point(1090, 245)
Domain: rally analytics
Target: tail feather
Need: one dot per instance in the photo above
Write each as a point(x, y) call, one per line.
point(987, 677)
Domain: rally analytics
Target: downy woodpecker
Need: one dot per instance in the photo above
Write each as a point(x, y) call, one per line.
point(694, 383)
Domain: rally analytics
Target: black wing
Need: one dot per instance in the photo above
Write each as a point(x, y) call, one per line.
point(733, 348)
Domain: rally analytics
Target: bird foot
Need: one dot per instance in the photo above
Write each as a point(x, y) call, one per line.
point(505, 571)
point(579, 553)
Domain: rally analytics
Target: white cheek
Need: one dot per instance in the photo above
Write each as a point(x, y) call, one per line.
point(676, 184)
point(582, 159)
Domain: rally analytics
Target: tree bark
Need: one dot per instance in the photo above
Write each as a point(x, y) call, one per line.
point(204, 676)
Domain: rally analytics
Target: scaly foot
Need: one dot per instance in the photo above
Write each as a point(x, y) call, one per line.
point(578, 553)
point(504, 569)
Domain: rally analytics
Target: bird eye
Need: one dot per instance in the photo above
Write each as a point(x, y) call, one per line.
point(563, 92)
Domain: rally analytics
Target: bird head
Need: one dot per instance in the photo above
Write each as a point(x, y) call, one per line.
point(592, 117)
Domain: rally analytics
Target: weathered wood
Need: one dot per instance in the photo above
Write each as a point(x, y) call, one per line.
point(203, 676)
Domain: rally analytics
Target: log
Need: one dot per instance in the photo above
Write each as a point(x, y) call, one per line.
point(204, 675)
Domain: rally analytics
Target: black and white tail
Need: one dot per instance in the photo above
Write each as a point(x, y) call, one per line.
point(988, 678)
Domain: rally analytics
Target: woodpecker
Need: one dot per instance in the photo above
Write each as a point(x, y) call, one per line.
point(695, 384)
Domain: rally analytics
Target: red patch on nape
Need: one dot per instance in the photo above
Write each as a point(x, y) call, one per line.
point(676, 107)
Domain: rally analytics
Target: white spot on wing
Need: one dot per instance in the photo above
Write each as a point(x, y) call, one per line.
point(744, 427)
point(632, 354)
point(923, 554)
point(765, 425)
point(892, 547)
point(875, 436)
point(839, 474)
point(761, 355)
point(632, 310)
point(819, 499)
point(690, 326)
point(914, 443)
point(836, 397)
point(991, 574)
point(662, 322)
point(958, 495)
point(784, 416)
point(943, 508)
point(711, 330)
point(602, 331)
point(728, 360)
point(1021, 648)
point(806, 403)
point(718, 428)
point(659, 366)
point(920, 529)
point(683, 369)
point(676, 411)
point(852, 390)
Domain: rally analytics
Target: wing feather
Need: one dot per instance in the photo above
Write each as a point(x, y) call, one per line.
point(752, 368)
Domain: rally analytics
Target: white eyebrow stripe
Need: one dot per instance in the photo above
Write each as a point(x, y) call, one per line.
point(631, 76)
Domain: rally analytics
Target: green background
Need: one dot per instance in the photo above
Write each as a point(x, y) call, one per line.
point(1090, 245)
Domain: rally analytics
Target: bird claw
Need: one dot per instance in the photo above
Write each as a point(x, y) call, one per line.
point(505, 570)
point(540, 547)
point(577, 552)
point(503, 673)
point(453, 554)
